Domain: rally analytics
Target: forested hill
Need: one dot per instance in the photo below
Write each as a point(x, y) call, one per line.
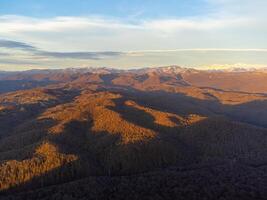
point(156, 133)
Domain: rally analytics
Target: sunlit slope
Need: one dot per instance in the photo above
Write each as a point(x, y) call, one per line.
point(92, 132)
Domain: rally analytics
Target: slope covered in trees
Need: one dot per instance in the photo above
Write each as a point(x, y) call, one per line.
point(132, 135)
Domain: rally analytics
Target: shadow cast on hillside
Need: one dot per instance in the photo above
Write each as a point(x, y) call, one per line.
point(30, 111)
point(19, 85)
point(102, 153)
point(253, 112)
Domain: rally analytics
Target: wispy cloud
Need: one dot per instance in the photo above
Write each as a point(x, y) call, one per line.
point(236, 27)
point(102, 33)
point(4, 54)
point(20, 24)
point(13, 23)
point(198, 50)
point(17, 62)
point(15, 45)
point(34, 51)
point(23, 54)
point(80, 55)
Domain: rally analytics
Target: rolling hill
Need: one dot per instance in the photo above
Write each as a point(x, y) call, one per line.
point(153, 133)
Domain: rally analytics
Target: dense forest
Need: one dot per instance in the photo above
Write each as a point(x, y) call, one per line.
point(148, 134)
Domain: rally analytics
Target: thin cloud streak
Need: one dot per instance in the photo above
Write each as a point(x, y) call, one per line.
point(8, 44)
point(15, 45)
point(79, 55)
point(200, 50)
point(17, 62)
point(27, 54)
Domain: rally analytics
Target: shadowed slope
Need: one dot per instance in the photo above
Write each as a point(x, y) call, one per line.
point(102, 125)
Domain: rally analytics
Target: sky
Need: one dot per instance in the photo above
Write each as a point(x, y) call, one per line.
point(131, 34)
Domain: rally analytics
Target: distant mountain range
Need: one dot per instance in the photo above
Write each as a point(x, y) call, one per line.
point(235, 79)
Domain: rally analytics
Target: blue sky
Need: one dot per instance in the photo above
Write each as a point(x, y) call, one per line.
point(116, 8)
point(137, 33)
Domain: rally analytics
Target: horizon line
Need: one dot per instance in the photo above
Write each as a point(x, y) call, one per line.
point(200, 68)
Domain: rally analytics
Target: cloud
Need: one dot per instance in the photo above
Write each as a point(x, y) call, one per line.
point(79, 55)
point(198, 50)
point(89, 34)
point(15, 45)
point(20, 24)
point(230, 27)
point(13, 23)
point(17, 62)
point(193, 24)
point(4, 54)
point(35, 52)
point(35, 57)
